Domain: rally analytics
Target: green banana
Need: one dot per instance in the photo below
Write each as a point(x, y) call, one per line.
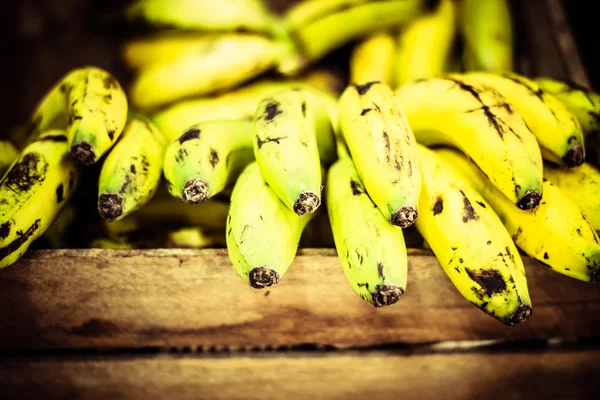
point(262, 232)
point(372, 251)
point(131, 173)
point(293, 136)
point(8, 154)
point(207, 158)
point(555, 233)
point(554, 126)
point(373, 59)
point(33, 192)
point(383, 148)
point(470, 242)
point(481, 123)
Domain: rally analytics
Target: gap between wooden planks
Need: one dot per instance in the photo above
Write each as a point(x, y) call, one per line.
point(139, 298)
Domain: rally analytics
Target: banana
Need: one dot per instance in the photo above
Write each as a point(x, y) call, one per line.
point(482, 124)
point(581, 185)
point(293, 136)
point(487, 30)
point(207, 158)
point(328, 80)
point(470, 242)
point(554, 126)
point(303, 12)
point(33, 192)
point(373, 59)
point(383, 148)
point(372, 251)
point(194, 238)
point(218, 64)
point(425, 44)
point(56, 236)
point(8, 154)
point(556, 233)
point(106, 243)
point(262, 232)
point(131, 173)
point(228, 15)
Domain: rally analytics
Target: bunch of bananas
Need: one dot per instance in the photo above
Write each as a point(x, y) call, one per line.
point(206, 149)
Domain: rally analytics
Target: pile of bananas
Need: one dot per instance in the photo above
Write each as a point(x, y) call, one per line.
point(206, 149)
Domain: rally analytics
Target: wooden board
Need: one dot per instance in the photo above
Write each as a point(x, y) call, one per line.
point(124, 298)
point(376, 375)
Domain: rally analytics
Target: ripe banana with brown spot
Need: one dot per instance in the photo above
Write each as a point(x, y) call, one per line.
point(33, 192)
point(556, 233)
point(262, 232)
point(8, 154)
point(482, 124)
point(132, 171)
point(383, 149)
point(373, 59)
point(470, 242)
point(207, 158)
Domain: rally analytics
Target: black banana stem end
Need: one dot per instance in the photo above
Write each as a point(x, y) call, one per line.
point(529, 200)
point(262, 277)
point(386, 295)
point(521, 314)
point(574, 157)
point(110, 206)
point(405, 216)
point(83, 153)
point(195, 191)
point(307, 203)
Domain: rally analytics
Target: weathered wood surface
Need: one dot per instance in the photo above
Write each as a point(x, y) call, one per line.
point(124, 298)
point(375, 375)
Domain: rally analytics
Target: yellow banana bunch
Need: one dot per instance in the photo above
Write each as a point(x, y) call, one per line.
point(262, 232)
point(481, 123)
point(372, 251)
point(470, 242)
point(425, 44)
point(373, 59)
point(8, 154)
point(383, 148)
point(207, 158)
point(218, 63)
point(131, 173)
point(554, 126)
point(33, 192)
point(581, 185)
point(555, 233)
point(487, 30)
point(293, 136)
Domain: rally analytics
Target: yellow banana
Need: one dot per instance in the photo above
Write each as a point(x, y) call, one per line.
point(194, 238)
point(303, 12)
point(373, 59)
point(293, 136)
point(207, 158)
point(470, 242)
point(425, 44)
point(262, 232)
point(481, 123)
point(556, 233)
point(383, 148)
point(33, 192)
point(554, 126)
point(372, 251)
point(219, 64)
point(131, 173)
point(8, 154)
point(581, 185)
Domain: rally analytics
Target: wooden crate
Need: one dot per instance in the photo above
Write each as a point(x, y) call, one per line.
point(161, 324)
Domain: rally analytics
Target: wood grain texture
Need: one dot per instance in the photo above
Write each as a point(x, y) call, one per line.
point(124, 298)
point(380, 375)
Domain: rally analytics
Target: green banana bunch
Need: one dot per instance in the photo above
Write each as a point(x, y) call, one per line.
point(218, 63)
point(487, 29)
point(33, 192)
point(90, 104)
point(131, 173)
point(481, 123)
point(554, 126)
point(425, 44)
point(555, 233)
point(383, 148)
point(262, 232)
point(372, 251)
point(229, 15)
point(373, 59)
point(293, 136)
point(8, 154)
point(470, 242)
point(581, 185)
point(207, 158)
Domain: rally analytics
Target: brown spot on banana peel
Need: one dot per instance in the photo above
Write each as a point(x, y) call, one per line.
point(60, 194)
point(190, 134)
point(84, 154)
point(438, 207)
point(521, 314)
point(260, 142)
point(380, 270)
point(364, 111)
point(271, 111)
point(262, 277)
point(574, 156)
point(126, 184)
point(195, 191)
point(307, 202)
point(490, 280)
point(132, 169)
point(364, 88)
point(213, 158)
point(110, 206)
point(304, 109)
point(386, 140)
point(386, 295)
point(468, 209)
point(24, 174)
point(53, 138)
point(20, 240)
point(356, 188)
point(4, 230)
point(404, 217)
point(71, 180)
point(529, 200)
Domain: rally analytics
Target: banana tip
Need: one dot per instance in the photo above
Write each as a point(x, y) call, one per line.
point(405, 216)
point(574, 157)
point(195, 191)
point(307, 203)
point(110, 206)
point(387, 295)
point(262, 277)
point(83, 153)
point(529, 200)
point(521, 314)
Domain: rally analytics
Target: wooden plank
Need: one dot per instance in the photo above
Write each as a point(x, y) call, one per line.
point(124, 298)
point(381, 375)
